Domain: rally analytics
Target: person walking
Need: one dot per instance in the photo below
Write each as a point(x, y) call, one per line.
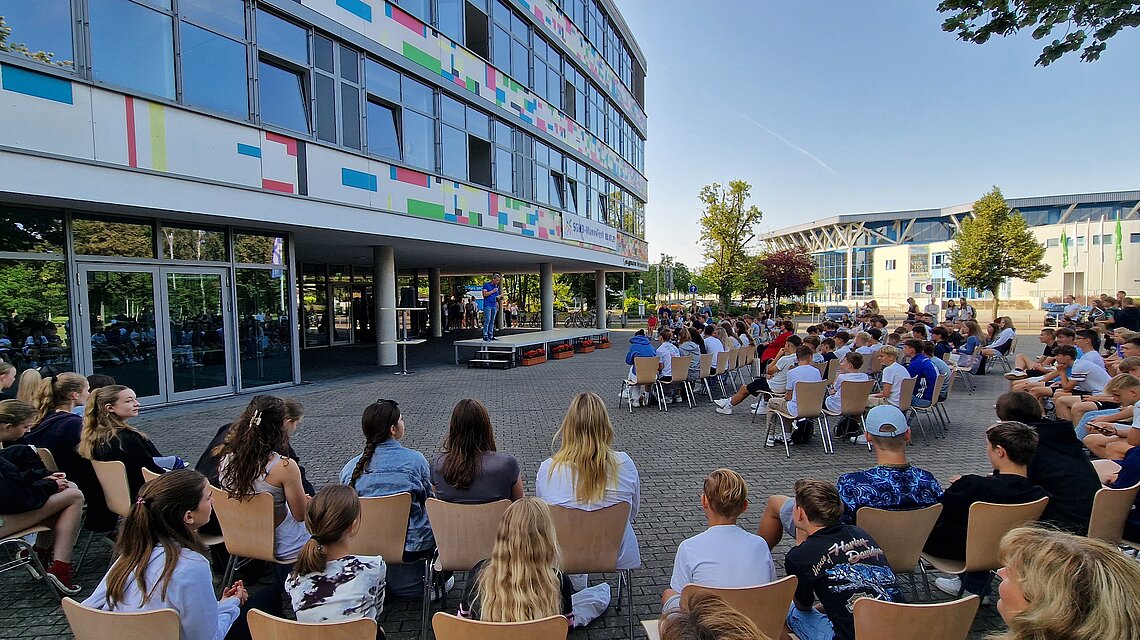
point(491, 290)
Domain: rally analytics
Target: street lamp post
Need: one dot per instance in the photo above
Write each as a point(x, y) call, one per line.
point(640, 301)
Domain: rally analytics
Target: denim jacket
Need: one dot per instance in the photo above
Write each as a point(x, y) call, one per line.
point(395, 469)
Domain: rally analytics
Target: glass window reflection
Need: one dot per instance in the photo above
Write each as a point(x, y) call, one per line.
point(214, 72)
point(227, 16)
point(107, 237)
point(180, 243)
point(132, 46)
point(282, 37)
point(43, 27)
point(382, 127)
point(31, 230)
point(419, 140)
point(283, 97)
point(259, 249)
point(264, 329)
point(34, 314)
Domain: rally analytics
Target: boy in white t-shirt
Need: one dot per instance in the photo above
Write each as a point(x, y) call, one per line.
point(849, 371)
point(893, 376)
point(724, 555)
point(1109, 440)
point(804, 371)
point(665, 354)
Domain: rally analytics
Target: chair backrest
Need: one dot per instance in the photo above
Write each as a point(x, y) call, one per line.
point(706, 364)
point(247, 525)
point(1110, 510)
point(149, 475)
point(989, 523)
point(464, 533)
point(112, 476)
point(809, 398)
point(875, 619)
point(868, 363)
point(449, 627)
point(906, 394)
point(263, 626)
point(93, 624)
point(722, 362)
point(383, 527)
point(900, 534)
point(876, 364)
point(853, 396)
point(832, 371)
point(48, 458)
point(938, 382)
point(950, 383)
point(822, 366)
point(766, 605)
point(645, 369)
point(680, 367)
point(590, 540)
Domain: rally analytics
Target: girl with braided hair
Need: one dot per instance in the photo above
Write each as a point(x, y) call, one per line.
point(384, 468)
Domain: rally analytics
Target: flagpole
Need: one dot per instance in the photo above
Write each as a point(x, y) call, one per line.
point(1101, 239)
point(1088, 241)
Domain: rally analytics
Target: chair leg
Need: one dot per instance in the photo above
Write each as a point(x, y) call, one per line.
point(425, 615)
point(825, 435)
point(661, 403)
point(620, 589)
point(629, 598)
point(708, 390)
point(921, 428)
point(228, 574)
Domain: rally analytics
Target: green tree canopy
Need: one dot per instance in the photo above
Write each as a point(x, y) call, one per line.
point(995, 245)
point(728, 226)
point(787, 272)
point(976, 20)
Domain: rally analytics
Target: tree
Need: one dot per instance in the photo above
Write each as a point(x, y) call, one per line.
point(789, 272)
point(728, 225)
point(976, 20)
point(22, 49)
point(995, 245)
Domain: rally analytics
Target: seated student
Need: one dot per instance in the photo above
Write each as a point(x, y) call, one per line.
point(689, 347)
point(1049, 576)
point(161, 563)
point(940, 336)
point(639, 347)
point(804, 371)
point(470, 470)
point(940, 366)
point(713, 345)
point(708, 616)
point(1088, 341)
point(1003, 340)
point(892, 377)
point(773, 349)
point(665, 353)
point(842, 341)
point(1059, 465)
point(1009, 447)
point(1084, 412)
point(850, 370)
point(106, 435)
point(1073, 377)
point(891, 484)
point(775, 383)
point(31, 495)
point(328, 583)
point(923, 369)
point(1128, 347)
point(835, 563)
point(1023, 367)
point(864, 345)
point(1063, 336)
point(970, 351)
point(1107, 439)
point(387, 467)
point(724, 555)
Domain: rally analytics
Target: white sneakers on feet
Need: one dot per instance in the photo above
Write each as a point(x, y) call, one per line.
point(723, 402)
point(726, 409)
point(859, 439)
point(952, 586)
point(1016, 374)
point(774, 440)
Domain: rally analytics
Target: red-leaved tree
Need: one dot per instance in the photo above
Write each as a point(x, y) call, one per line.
point(787, 272)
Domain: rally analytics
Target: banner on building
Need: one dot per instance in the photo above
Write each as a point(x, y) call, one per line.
point(588, 231)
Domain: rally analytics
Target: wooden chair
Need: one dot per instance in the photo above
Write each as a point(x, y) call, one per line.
point(148, 475)
point(706, 374)
point(930, 412)
point(722, 369)
point(383, 527)
point(263, 626)
point(822, 368)
point(988, 524)
point(112, 476)
point(809, 406)
point(680, 368)
point(832, 371)
point(48, 458)
point(964, 369)
point(247, 527)
point(464, 535)
point(92, 624)
point(735, 358)
point(900, 535)
point(645, 374)
point(23, 555)
point(853, 400)
point(876, 619)
point(906, 405)
point(653, 628)
point(1111, 508)
point(449, 627)
point(590, 543)
point(766, 605)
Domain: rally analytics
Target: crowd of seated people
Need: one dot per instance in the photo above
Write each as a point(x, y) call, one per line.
point(31, 343)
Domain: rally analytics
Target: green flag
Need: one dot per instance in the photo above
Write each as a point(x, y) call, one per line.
point(1064, 249)
point(1118, 241)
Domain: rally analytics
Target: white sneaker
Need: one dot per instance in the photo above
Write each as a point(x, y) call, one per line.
point(761, 407)
point(1016, 374)
point(860, 439)
point(952, 586)
point(437, 594)
point(678, 399)
point(723, 402)
point(774, 440)
point(753, 405)
point(725, 409)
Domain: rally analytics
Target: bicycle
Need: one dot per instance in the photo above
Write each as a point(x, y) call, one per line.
point(579, 321)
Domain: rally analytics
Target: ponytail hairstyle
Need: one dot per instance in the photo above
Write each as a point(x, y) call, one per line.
point(15, 412)
point(469, 434)
point(331, 513)
point(156, 518)
point(99, 425)
point(27, 385)
point(55, 390)
point(253, 439)
point(376, 423)
point(293, 409)
point(520, 581)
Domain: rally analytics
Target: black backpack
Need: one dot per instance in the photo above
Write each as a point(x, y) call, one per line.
point(802, 432)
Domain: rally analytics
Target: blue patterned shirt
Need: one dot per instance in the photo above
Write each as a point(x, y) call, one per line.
point(887, 487)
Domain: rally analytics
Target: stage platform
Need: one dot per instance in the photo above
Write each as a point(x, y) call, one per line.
point(519, 342)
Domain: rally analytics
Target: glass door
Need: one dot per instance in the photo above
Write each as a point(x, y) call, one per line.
point(118, 323)
point(196, 305)
point(342, 313)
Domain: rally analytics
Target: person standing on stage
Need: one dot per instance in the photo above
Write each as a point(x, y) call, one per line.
point(491, 291)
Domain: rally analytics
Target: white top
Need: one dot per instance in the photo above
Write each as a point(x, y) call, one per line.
point(1095, 377)
point(714, 346)
point(349, 588)
point(778, 382)
point(724, 556)
point(894, 376)
point(800, 373)
point(1136, 415)
point(733, 343)
point(557, 488)
point(190, 593)
point(1073, 310)
point(842, 352)
point(932, 309)
point(835, 402)
point(1002, 338)
point(666, 353)
point(1093, 357)
point(744, 339)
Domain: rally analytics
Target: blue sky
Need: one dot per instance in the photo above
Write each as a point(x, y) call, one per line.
point(849, 107)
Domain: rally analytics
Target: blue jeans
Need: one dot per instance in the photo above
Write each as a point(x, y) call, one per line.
point(1083, 427)
point(810, 624)
point(490, 313)
point(919, 401)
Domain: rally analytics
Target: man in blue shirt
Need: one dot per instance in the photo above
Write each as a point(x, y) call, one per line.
point(491, 291)
point(922, 368)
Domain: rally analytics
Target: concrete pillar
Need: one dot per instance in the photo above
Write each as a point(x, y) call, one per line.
point(384, 301)
point(600, 296)
point(435, 310)
point(546, 287)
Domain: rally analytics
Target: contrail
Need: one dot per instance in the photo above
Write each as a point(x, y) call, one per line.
point(778, 137)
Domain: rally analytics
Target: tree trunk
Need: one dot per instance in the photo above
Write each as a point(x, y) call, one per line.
point(995, 292)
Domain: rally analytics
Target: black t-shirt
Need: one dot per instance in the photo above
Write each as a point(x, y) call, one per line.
point(470, 604)
point(948, 539)
point(1127, 317)
point(1047, 352)
point(839, 565)
point(1061, 467)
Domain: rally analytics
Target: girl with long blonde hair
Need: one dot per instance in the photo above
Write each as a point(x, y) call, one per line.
point(521, 580)
point(1058, 585)
point(107, 436)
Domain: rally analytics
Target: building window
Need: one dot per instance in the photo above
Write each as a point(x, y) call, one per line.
point(214, 71)
point(477, 29)
point(132, 46)
point(283, 38)
point(889, 265)
point(383, 125)
point(189, 243)
point(283, 96)
point(1052, 242)
point(41, 30)
point(504, 157)
point(549, 181)
point(223, 16)
point(418, 100)
point(1134, 238)
point(418, 8)
point(511, 43)
point(99, 236)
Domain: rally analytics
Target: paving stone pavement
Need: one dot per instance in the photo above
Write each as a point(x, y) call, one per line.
point(673, 452)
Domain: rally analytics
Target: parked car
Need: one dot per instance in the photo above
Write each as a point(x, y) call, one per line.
point(1053, 313)
point(838, 314)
